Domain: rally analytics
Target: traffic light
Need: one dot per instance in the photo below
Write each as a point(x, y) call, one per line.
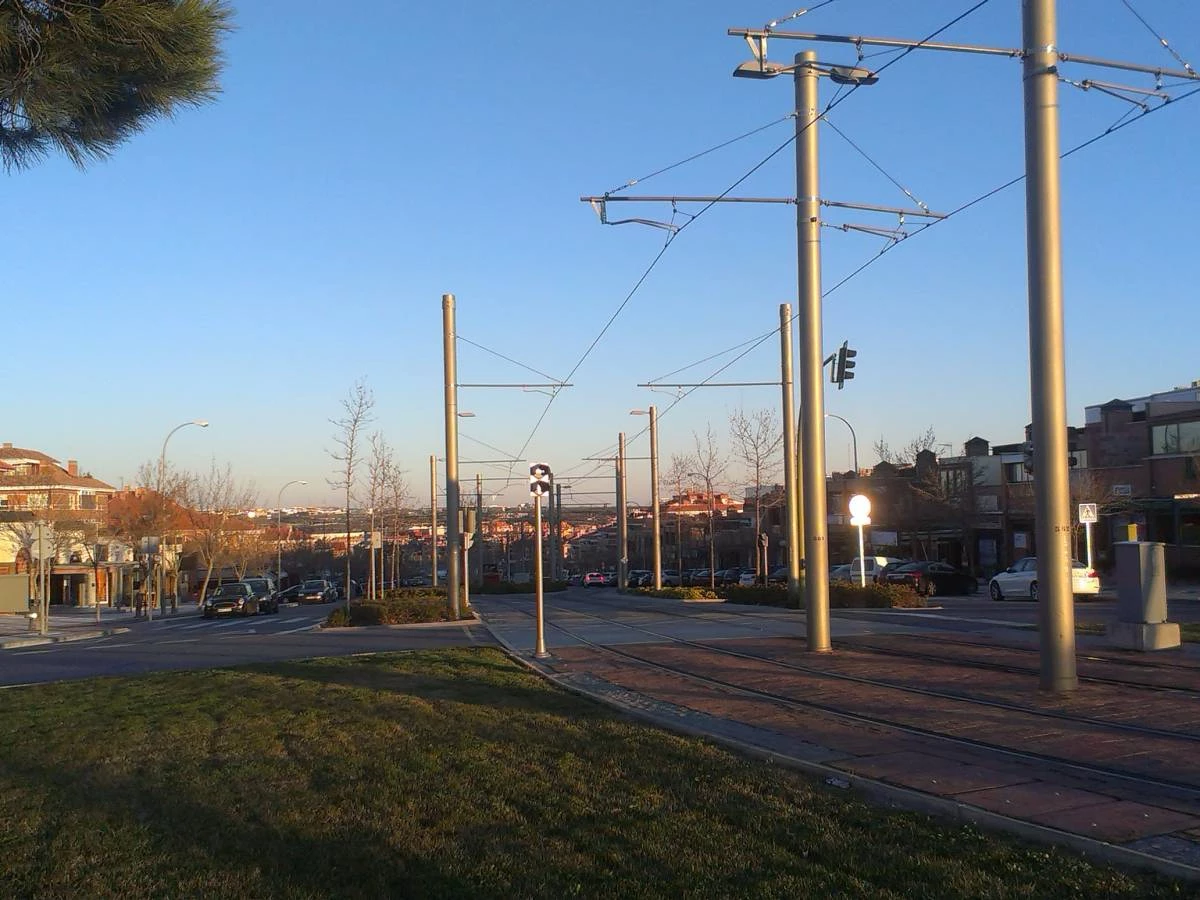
point(540, 480)
point(843, 364)
point(1027, 451)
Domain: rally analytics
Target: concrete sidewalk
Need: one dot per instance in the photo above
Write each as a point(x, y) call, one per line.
point(1111, 771)
point(75, 624)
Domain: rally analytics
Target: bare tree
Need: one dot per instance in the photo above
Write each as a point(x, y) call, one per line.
point(680, 469)
point(396, 487)
point(926, 440)
point(710, 465)
point(213, 512)
point(379, 468)
point(356, 414)
point(756, 439)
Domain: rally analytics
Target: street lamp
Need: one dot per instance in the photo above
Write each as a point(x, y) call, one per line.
point(853, 436)
point(712, 512)
point(860, 515)
point(653, 414)
point(279, 532)
point(162, 474)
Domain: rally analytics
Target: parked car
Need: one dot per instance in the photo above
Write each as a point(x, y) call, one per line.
point(232, 599)
point(639, 578)
point(699, 578)
point(928, 578)
point(610, 579)
point(575, 580)
point(317, 590)
point(1020, 580)
point(845, 572)
point(264, 592)
point(594, 579)
point(671, 578)
point(874, 565)
point(778, 575)
point(288, 595)
point(748, 578)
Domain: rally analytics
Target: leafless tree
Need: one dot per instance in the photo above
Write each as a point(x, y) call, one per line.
point(756, 439)
point(926, 440)
point(379, 469)
point(356, 414)
point(213, 512)
point(680, 469)
point(710, 465)
point(397, 493)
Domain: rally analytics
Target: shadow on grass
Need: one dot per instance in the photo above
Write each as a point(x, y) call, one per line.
point(189, 841)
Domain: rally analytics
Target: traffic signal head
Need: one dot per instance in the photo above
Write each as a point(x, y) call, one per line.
point(843, 364)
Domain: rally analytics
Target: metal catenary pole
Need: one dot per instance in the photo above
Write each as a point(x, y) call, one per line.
point(654, 499)
point(451, 389)
point(540, 648)
point(433, 579)
point(812, 398)
point(622, 518)
point(558, 543)
point(790, 481)
point(1046, 359)
point(479, 528)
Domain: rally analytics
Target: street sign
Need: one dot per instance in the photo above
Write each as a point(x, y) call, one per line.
point(1087, 513)
point(540, 480)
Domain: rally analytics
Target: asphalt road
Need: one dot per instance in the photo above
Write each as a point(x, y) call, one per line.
point(190, 642)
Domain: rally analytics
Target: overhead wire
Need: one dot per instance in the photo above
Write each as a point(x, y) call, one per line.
point(1162, 40)
point(507, 359)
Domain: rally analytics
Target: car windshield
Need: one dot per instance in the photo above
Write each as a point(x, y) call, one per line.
point(231, 590)
point(313, 586)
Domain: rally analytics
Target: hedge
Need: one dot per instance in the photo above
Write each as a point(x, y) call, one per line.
point(842, 595)
point(408, 610)
point(677, 593)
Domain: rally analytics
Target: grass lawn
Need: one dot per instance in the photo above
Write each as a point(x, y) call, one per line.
point(1190, 631)
point(445, 774)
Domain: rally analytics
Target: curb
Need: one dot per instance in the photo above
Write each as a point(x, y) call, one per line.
point(880, 792)
point(39, 639)
point(474, 620)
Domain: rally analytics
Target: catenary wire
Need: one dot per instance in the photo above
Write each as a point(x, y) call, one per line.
point(507, 359)
point(1162, 40)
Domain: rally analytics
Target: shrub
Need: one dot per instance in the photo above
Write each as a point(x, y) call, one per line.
point(393, 611)
point(847, 595)
point(758, 595)
point(404, 593)
point(677, 593)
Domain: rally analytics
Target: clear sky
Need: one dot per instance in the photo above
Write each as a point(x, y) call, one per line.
point(249, 261)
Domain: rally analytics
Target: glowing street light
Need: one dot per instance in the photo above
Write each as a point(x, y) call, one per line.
point(860, 515)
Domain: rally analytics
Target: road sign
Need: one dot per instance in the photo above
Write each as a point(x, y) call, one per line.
point(1087, 513)
point(540, 480)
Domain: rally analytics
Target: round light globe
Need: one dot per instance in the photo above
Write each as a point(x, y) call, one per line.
point(860, 506)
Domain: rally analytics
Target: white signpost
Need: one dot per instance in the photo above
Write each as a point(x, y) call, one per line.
point(1088, 516)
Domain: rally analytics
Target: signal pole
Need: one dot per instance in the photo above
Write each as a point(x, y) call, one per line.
point(450, 360)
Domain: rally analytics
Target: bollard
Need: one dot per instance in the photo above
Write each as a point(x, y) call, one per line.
point(1142, 598)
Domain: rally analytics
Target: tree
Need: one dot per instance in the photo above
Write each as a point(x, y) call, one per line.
point(213, 508)
point(356, 415)
point(756, 439)
point(681, 467)
point(82, 77)
point(396, 489)
point(926, 440)
point(379, 469)
point(710, 465)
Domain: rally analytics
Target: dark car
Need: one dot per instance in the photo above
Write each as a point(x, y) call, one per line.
point(778, 575)
point(232, 599)
point(316, 591)
point(264, 592)
point(288, 595)
point(929, 578)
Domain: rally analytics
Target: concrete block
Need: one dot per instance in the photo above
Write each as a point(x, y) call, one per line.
point(1141, 582)
point(1137, 636)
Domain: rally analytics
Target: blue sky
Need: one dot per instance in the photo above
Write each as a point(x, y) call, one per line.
point(249, 261)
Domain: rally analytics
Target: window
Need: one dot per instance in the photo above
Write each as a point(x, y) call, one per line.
point(1015, 473)
point(87, 500)
point(1178, 437)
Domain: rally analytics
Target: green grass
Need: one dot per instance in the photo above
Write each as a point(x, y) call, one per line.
point(445, 774)
point(1190, 631)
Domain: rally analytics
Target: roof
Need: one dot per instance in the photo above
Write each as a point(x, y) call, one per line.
point(19, 454)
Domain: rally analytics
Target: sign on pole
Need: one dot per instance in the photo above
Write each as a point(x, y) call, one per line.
point(1087, 513)
point(540, 480)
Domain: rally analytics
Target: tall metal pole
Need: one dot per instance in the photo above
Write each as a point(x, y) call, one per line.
point(479, 527)
point(853, 436)
point(790, 481)
point(449, 354)
point(1046, 366)
point(558, 554)
point(654, 498)
point(622, 518)
point(540, 647)
point(812, 397)
point(433, 579)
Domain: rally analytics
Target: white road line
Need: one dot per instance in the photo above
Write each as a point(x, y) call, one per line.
point(182, 641)
point(307, 627)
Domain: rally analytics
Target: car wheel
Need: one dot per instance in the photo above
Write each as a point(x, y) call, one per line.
point(994, 590)
point(1033, 592)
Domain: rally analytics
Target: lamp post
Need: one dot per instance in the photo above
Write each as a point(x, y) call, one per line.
point(853, 436)
point(279, 532)
point(712, 513)
point(162, 474)
point(860, 515)
point(652, 412)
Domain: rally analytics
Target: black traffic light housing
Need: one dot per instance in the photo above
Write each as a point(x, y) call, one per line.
point(843, 364)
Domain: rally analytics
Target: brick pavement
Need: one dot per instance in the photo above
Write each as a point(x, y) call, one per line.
point(928, 751)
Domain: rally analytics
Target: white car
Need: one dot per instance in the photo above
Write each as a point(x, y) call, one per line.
point(1020, 580)
point(748, 578)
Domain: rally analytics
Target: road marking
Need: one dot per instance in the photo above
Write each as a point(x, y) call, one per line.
point(182, 641)
point(309, 627)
